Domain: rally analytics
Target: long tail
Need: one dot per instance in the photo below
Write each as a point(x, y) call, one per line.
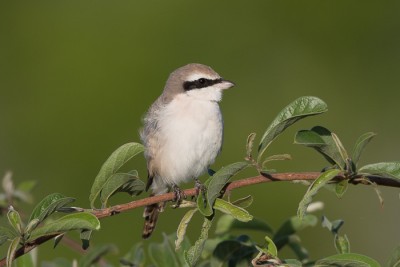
point(150, 215)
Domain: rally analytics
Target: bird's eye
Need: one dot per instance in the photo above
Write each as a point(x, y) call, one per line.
point(202, 80)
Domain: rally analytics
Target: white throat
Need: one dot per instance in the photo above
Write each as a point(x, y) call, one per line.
point(212, 93)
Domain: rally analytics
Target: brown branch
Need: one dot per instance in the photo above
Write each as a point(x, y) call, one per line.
point(192, 192)
point(304, 176)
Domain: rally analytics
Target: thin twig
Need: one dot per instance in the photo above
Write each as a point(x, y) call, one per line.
point(276, 177)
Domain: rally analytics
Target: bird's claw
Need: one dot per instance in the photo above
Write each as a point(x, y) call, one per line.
point(179, 196)
point(201, 188)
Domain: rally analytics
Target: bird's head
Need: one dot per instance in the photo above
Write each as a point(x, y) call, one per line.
point(198, 81)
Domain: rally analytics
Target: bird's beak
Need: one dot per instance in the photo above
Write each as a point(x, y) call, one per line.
point(226, 84)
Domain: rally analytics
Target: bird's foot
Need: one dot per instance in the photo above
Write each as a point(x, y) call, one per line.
point(179, 195)
point(201, 188)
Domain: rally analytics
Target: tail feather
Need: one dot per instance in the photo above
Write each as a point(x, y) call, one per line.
point(150, 215)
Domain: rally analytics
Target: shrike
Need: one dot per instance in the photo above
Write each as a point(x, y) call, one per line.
point(182, 133)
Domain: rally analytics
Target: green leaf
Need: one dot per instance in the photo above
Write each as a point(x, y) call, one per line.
point(208, 263)
point(74, 221)
point(216, 183)
point(348, 260)
point(377, 191)
point(15, 220)
point(8, 184)
point(360, 145)
point(133, 187)
point(340, 147)
point(22, 196)
point(342, 244)
point(27, 260)
point(11, 251)
point(121, 182)
point(3, 239)
point(394, 260)
point(230, 209)
point(294, 243)
point(298, 109)
point(267, 171)
point(232, 252)
point(58, 239)
point(181, 231)
point(276, 157)
point(49, 205)
point(117, 159)
point(202, 204)
point(249, 144)
point(385, 169)
point(321, 140)
point(209, 247)
point(23, 191)
point(292, 263)
point(271, 247)
point(341, 188)
point(227, 223)
point(292, 226)
point(26, 186)
point(193, 254)
point(314, 188)
point(332, 226)
point(310, 138)
point(31, 225)
point(95, 254)
point(59, 262)
point(243, 202)
point(185, 245)
point(85, 238)
point(163, 254)
point(6, 234)
point(135, 256)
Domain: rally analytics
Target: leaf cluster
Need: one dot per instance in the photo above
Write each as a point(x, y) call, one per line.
point(41, 223)
point(224, 247)
point(344, 169)
point(109, 181)
point(12, 194)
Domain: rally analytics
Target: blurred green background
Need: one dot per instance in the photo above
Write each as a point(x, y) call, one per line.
point(77, 76)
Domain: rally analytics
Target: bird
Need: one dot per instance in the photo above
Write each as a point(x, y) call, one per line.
point(182, 133)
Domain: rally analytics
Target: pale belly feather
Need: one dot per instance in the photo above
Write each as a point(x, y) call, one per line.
point(192, 138)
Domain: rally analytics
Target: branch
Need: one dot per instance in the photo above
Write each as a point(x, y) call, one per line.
point(276, 177)
point(192, 192)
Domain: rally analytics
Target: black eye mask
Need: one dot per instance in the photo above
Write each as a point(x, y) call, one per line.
point(200, 83)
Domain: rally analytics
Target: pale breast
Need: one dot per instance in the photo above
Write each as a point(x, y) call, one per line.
point(190, 139)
